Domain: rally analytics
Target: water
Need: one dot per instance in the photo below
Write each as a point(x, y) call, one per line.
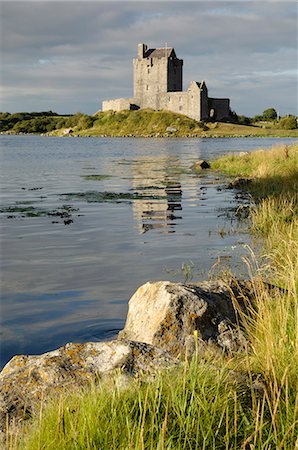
point(69, 271)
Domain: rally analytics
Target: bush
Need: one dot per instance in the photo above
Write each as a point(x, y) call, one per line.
point(288, 123)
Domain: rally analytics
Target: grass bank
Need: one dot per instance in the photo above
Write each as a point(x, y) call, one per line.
point(248, 401)
point(149, 123)
point(272, 182)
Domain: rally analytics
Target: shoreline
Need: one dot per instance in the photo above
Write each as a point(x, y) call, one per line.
point(160, 136)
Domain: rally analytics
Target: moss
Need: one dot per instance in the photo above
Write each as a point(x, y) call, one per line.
point(96, 177)
point(102, 197)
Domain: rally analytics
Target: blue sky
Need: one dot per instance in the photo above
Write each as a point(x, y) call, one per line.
point(69, 56)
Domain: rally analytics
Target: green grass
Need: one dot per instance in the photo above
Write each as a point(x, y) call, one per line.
point(274, 189)
point(150, 123)
point(199, 406)
point(263, 165)
point(212, 402)
point(142, 122)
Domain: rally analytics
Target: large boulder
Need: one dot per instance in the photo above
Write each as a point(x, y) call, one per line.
point(26, 380)
point(165, 320)
point(179, 318)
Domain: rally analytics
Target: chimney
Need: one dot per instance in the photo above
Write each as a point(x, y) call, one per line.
point(141, 50)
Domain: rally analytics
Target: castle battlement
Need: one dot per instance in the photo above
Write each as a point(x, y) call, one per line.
point(157, 84)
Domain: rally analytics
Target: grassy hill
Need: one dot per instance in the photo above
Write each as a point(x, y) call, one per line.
point(141, 123)
point(150, 123)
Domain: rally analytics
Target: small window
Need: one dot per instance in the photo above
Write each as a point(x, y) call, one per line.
point(180, 108)
point(148, 70)
point(147, 87)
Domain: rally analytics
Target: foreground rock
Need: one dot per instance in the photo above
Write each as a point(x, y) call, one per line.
point(26, 380)
point(172, 316)
point(165, 320)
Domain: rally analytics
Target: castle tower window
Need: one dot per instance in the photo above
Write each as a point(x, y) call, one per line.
point(180, 108)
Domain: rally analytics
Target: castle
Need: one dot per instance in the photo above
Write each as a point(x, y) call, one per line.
point(158, 85)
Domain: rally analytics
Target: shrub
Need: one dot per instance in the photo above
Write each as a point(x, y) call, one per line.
point(288, 123)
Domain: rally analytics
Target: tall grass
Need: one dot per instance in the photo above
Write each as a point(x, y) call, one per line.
point(248, 401)
point(273, 325)
point(198, 406)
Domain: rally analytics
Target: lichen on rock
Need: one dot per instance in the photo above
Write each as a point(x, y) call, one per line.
point(27, 380)
point(165, 321)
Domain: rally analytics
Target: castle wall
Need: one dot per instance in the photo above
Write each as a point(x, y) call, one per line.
point(194, 101)
point(221, 108)
point(204, 103)
point(174, 75)
point(117, 104)
point(174, 101)
point(150, 79)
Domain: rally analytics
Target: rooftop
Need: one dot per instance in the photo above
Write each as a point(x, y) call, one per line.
point(159, 52)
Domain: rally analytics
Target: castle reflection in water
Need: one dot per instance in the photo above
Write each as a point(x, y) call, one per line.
point(158, 180)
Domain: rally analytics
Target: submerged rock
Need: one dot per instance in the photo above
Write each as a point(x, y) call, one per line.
point(239, 183)
point(171, 315)
point(201, 164)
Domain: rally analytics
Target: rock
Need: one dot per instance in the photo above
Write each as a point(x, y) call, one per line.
point(27, 380)
point(201, 164)
point(171, 129)
point(239, 183)
point(169, 315)
point(67, 131)
point(165, 320)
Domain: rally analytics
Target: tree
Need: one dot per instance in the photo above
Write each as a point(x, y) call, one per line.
point(269, 114)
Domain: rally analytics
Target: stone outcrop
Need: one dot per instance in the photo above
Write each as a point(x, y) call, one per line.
point(171, 315)
point(165, 320)
point(26, 380)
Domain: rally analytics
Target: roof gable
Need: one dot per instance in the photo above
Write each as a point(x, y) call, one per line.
point(198, 84)
point(165, 52)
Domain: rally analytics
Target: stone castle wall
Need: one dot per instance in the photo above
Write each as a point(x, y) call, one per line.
point(221, 108)
point(118, 104)
point(158, 85)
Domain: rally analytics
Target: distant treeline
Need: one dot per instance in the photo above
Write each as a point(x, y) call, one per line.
point(41, 122)
point(270, 116)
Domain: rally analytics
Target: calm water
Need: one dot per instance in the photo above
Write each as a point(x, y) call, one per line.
point(73, 252)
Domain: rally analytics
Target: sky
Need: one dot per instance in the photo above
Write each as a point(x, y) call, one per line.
point(68, 56)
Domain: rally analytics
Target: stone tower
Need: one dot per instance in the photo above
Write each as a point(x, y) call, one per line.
point(156, 71)
point(157, 85)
